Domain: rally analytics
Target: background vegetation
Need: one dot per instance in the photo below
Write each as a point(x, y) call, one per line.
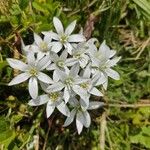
point(124, 122)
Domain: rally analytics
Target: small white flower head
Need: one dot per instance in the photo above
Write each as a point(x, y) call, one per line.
point(102, 62)
point(79, 55)
point(68, 82)
point(32, 71)
point(64, 38)
point(53, 100)
point(44, 45)
point(80, 112)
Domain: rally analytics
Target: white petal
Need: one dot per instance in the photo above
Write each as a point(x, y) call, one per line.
point(66, 94)
point(62, 75)
point(47, 39)
point(55, 76)
point(71, 61)
point(43, 63)
point(113, 74)
point(68, 47)
point(40, 100)
point(70, 28)
point(63, 109)
point(73, 101)
point(33, 87)
point(70, 119)
point(17, 64)
point(31, 58)
point(19, 78)
point(52, 35)
point(87, 72)
point(95, 91)
point(58, 25)
point(51, 67)
point(49, 110)
point(54, 57)
point(56, 47)
point(79, 124)
point(95, 105)
point(64, 55)
point(74, 70)
point(81, 92)
point(55, 87)
point(44, 78)
point(76, 38)
point(113, 62)
point(112, 53)
point(87, 119)
point(37, 39)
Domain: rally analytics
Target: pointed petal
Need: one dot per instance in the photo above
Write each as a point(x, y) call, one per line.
point(71, 61)
point(113, 61)
point(31, 58)
point(70, 28)
point(95, 91)
point(76, 38)
point(44, 78)
point(79, 123)
point(68, 48)
point(62, 75)
point(17, 64)
point(19, 79)
point(105, 84)
point(74, 70)
point(51, 34)
point(87, 72)
point(63, 109)
point(55, 76)
point(58, 25)
point(37, 39)
point(64, 55)
point(43, 63)
point(112, 73)
point(66, 95)
point(56, 47)
point(70, 118)
point(55, 87)
point(33, 87)
point(39, 100)
point(87, 119)
point(81, 92)
point(49, 110)
point(95, 105)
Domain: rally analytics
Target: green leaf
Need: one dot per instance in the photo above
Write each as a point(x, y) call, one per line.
point(3, 64)
point(40, 8)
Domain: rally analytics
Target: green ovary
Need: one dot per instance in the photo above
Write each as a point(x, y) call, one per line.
point(54, 96)
point(43, 46)
point(33, 72)
point(84, 85)
point(60, 63)
point(63, 39)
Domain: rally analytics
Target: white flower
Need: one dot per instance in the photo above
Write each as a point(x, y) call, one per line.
point(68, 81)
point(102, 62)
point(64, 38)
point(32, 71)
point(44, 45)
point(79, 54)
point(82, 116)
point(53, 100)
point(87, 88)
point(59, 63)
point(26, 49)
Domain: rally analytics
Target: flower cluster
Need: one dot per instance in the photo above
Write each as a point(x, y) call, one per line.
point(69, 70)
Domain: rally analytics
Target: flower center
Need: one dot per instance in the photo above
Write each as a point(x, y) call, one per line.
point(63, 39)
point(43, 46)
point(60, 63)
point(54, 96)
point(84, 85)
point(77, 55)
point(33, 71)
point(69, 81)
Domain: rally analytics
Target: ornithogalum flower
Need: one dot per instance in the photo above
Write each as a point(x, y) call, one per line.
point(80, 111)
point(64, 38)
point(32, 71)
point(53, 100)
